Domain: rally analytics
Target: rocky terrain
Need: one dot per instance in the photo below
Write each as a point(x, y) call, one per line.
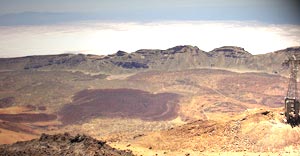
point(62, 144)
point(168, 102)
point(252, 132)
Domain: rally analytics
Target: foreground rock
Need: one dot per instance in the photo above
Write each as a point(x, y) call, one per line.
point(62, 144)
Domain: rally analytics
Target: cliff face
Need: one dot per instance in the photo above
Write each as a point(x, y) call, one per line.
point(176, 58)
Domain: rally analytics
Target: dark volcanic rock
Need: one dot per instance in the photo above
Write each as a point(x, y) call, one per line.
point(7, 102)
point(62, 144)
point(26, 117)
point(230, 51)
point(66, 59)
point(130, 65)
point(293, 49)
point(182, 49)
point(121, 53)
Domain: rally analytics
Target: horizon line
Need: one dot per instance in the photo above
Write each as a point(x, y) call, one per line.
point(80, 53)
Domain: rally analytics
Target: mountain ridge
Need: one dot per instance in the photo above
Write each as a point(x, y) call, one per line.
point(140, 50)
point(175, 58)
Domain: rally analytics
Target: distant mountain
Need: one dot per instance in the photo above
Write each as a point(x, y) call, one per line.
point(176, 58)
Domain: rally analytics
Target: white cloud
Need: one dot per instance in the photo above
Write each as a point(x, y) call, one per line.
point(108, 37)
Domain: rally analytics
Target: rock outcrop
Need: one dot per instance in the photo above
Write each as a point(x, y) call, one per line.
point(62, 144)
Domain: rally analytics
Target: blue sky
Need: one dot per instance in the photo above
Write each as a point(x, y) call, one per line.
point(18, 12)
point(41, 27)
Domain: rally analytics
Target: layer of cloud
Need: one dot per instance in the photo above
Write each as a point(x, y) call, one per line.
point(108, 37)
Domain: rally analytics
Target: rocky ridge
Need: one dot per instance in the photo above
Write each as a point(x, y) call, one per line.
point(176, 58)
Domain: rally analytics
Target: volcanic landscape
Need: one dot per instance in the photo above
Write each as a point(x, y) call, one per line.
point(178, 101)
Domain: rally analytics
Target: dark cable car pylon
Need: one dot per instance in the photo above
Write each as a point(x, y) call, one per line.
point(292, 104)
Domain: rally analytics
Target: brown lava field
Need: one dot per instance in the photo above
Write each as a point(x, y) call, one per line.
point(128, 103)
point(24, 117)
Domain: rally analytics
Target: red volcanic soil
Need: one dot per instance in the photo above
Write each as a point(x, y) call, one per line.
point(22, 117)
point(130, 103)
